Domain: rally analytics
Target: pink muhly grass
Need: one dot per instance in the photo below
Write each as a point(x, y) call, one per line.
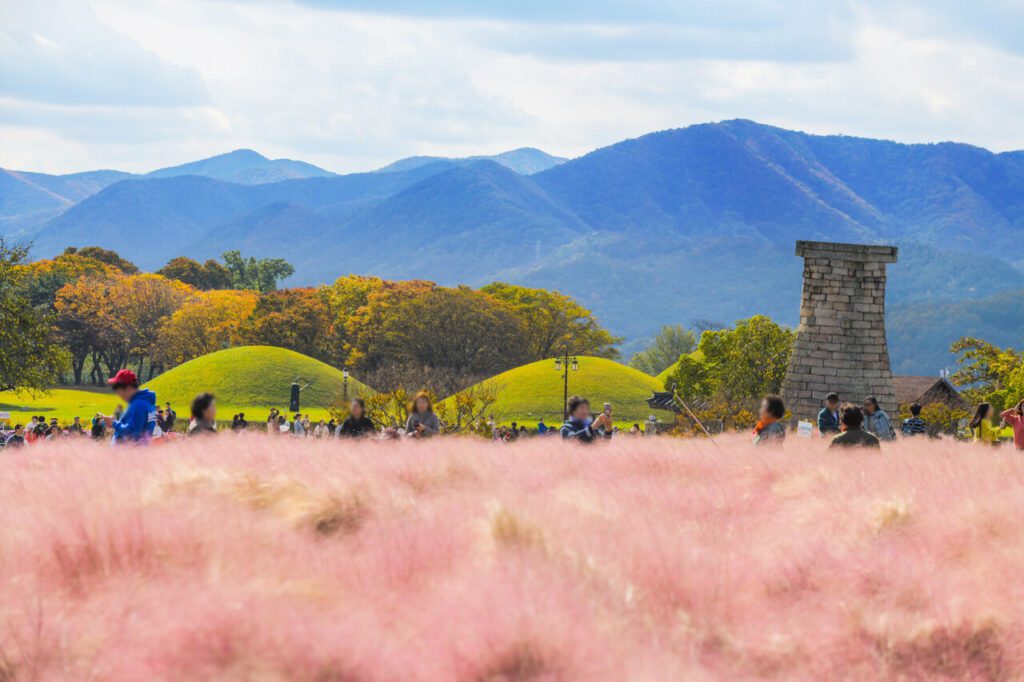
point(244, 557)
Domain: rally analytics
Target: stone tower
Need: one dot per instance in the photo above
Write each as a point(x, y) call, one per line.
point(840, 344)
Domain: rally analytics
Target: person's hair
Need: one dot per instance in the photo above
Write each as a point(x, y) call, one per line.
point(832, 397)
point(282, 419)
point(200, 404)
point(980, 414)
point(852, 416)
point(125, 384)
point(361, 403)
point(18, 426)
point(776, 407)
point(416, 399)
point(241, 415)
point(915, 409)
point(872, 400)
point(575, 402)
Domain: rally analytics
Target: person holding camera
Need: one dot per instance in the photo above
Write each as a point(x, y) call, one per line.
point(1014, 418)
point(422, 422)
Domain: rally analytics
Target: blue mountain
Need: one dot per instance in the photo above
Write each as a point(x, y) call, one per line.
point(696, 222)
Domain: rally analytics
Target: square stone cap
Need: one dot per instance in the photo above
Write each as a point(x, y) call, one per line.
point(858, 252)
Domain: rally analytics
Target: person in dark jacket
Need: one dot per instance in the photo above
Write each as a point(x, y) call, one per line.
point(76, 427)
point(580, 427)
point(170, 416)
point(357, 424)
point(422, 421)
point(99, 426)
point(828, 418)
point(853, 436)
point(139, 418)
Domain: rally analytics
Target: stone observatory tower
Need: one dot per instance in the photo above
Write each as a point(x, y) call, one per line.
point(840, 344)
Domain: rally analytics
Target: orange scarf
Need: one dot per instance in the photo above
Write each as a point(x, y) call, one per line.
point(762, 424)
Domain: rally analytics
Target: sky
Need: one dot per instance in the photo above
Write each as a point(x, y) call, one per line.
point(353, 85)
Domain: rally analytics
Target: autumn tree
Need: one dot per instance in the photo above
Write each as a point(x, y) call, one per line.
point(668, 346)
point(111, 258)
point(84, 322)
point(206, 322)
point(552, 320)
point(43, 278)
point(365, 342)
point(297, 319)
point(30, 358)
point(988, 373)
point(139, 306)
point(464, 332)
point(204, 276)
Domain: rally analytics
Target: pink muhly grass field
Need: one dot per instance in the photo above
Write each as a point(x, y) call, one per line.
point(242, 558)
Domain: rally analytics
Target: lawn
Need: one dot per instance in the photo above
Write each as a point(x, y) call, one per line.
point(532, 391)
point(248, 557)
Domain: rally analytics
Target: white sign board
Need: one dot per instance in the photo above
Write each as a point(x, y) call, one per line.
point(804, 429)
point(5, 415)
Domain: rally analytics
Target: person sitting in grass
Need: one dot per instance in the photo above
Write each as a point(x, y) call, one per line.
point(580, 427)
point(914, 425)
point(139, 419)
point(853, 436)
point(422, 422)
point(982, 429)
point(1014, 418)
point(769, 429)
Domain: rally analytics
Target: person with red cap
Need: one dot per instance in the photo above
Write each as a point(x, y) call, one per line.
point(139, 419)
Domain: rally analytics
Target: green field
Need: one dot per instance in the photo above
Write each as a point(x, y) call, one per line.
point(532, 391)
point(248, 379)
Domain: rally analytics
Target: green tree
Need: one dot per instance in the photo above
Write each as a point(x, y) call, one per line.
point(668, 346)
point(736, 366)
point(262, 275)
point(552, 320)
point(988, 373)
point(30, 358)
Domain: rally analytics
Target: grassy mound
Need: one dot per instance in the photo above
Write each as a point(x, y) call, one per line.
point(254, 376)
point(533, 391)
point(247, 379)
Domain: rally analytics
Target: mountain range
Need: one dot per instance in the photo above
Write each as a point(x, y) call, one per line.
point(697, 222)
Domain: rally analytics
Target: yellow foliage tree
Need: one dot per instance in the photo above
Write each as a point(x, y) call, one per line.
point(206, 322)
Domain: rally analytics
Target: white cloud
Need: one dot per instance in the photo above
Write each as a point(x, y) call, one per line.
point(354, 85)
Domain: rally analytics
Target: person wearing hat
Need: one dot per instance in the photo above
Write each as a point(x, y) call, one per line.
point(139, 419)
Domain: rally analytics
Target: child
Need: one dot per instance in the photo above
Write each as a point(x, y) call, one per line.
point(915, 425)
point(769, 429)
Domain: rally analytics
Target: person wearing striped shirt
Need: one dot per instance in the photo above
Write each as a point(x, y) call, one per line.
point(914, 425)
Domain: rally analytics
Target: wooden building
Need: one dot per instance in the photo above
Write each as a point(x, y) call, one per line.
point(928, 390)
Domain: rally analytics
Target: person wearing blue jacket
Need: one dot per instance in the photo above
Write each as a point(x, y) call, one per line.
point(139, 419)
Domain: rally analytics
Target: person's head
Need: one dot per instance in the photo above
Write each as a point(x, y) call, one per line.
point(241, 415)
point(357, 408)
point(636, 427)
point(915, 410)
point(870, 404)
point(125, 384)
point(322, 422)
point(33, 421)
point(772, 407)
point(167, 406)
point(579, 408)
point(832, 401)
point(522, 429)
point(204, 407)
point(298, 418)
point(281, 419)
point(19, 430)
point(421, 403)
point(852, 417)
point(77, 420)
point(515, 426)
point(984, 411)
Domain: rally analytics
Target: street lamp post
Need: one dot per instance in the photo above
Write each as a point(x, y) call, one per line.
point(344, 374)
point(563, 364)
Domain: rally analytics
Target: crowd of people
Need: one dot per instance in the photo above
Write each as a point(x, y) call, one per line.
point(142, 421)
